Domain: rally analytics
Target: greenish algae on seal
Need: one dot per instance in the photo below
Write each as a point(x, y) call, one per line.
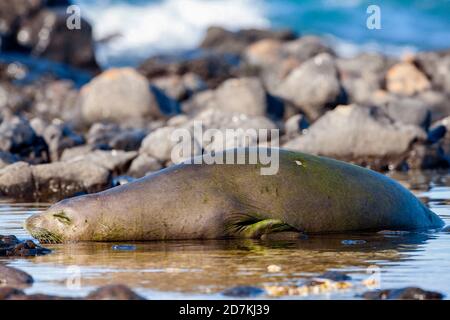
point(309, 194)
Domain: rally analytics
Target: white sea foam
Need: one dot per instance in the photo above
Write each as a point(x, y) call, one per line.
point(164, 26)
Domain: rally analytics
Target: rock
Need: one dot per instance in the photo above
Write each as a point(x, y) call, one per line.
point(111, 136)
point(335, 276)
point(61, 180)
point(115, 161)
point(16, 179)
point(403, 109)
point(436, 65)
point(244, 292)
point(437, 102)
point(365, 135)
point(118, 95)
point(224, 41)
point(409, 293)
point(11, 246)
point(75, 152)
point(19, 138)
point(243, 95)
point(6, 159)
point(405, 79)
point(161, 145)
point(121, 180)
point(57, 99)
point(180, 87)
point(212, 68)
point(13, 277)
point(59, 137)
point(8, 293)
point(313, 87)
point(11, 16)
point(274, 59)
point(363, 75)
point(46, 35)
point(295, 125)
point(221, 121)
point(143, 165)
point(114, 292)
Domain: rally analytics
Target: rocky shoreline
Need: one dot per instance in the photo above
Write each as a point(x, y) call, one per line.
point(61, 137)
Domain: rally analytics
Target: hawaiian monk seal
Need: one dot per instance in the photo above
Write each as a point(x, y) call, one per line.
point(309, 194)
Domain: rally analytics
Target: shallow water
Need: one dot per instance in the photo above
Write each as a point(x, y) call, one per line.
point(202, 269)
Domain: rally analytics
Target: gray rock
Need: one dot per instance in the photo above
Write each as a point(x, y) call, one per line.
point(360, 134)
point(59, 137)
point(243, 95)
point(61, 180)
point(161, 145)
point(409, 293)
point(13, 277)
point(118, 95)
point(17, 180)
point(111, 136)
point(403, 109)
point(436, 66)
point(274, 59)
point(143, 165)
point(313, 87)
point(115, 161)
point(75, 152)
point(7, 158)
point(437, 102)
point(295, 125)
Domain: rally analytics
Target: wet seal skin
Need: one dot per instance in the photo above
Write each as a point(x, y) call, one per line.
point(308, 195)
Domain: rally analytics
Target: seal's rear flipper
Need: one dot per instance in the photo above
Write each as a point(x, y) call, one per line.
point(253, 226)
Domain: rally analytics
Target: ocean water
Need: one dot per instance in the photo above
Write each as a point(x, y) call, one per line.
point(141, 28)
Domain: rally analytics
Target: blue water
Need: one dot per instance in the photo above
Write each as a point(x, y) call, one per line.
point(158, 26)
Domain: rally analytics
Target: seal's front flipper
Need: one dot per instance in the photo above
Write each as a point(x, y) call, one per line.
point(252, 226)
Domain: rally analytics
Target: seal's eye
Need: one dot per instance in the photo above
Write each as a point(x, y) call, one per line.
point(62, 217)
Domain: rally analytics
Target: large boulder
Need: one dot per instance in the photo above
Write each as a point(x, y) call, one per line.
point(241, 95)
point(143, 165)
point(313, 87)
point(52, 181)
point(13, 277)
point(365, 135)
point(118, 95)
point(115, 161)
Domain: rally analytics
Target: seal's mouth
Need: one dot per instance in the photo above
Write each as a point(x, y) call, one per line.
point(45, 236)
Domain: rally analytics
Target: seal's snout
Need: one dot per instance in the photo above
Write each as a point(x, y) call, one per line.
point(48, 226)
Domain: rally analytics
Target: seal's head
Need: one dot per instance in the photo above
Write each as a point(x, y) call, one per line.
point(60, 223)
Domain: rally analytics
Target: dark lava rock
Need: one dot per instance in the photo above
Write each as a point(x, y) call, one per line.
point(409, 293)
point(224, 41)
point(114, 292)
point(46, 35)
point(213, 69)
point(243, 292)
point(8, 293)
point(18, 137)
point(13, 277)
point(10, 246)
point(59, 137)
point(335, 276)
